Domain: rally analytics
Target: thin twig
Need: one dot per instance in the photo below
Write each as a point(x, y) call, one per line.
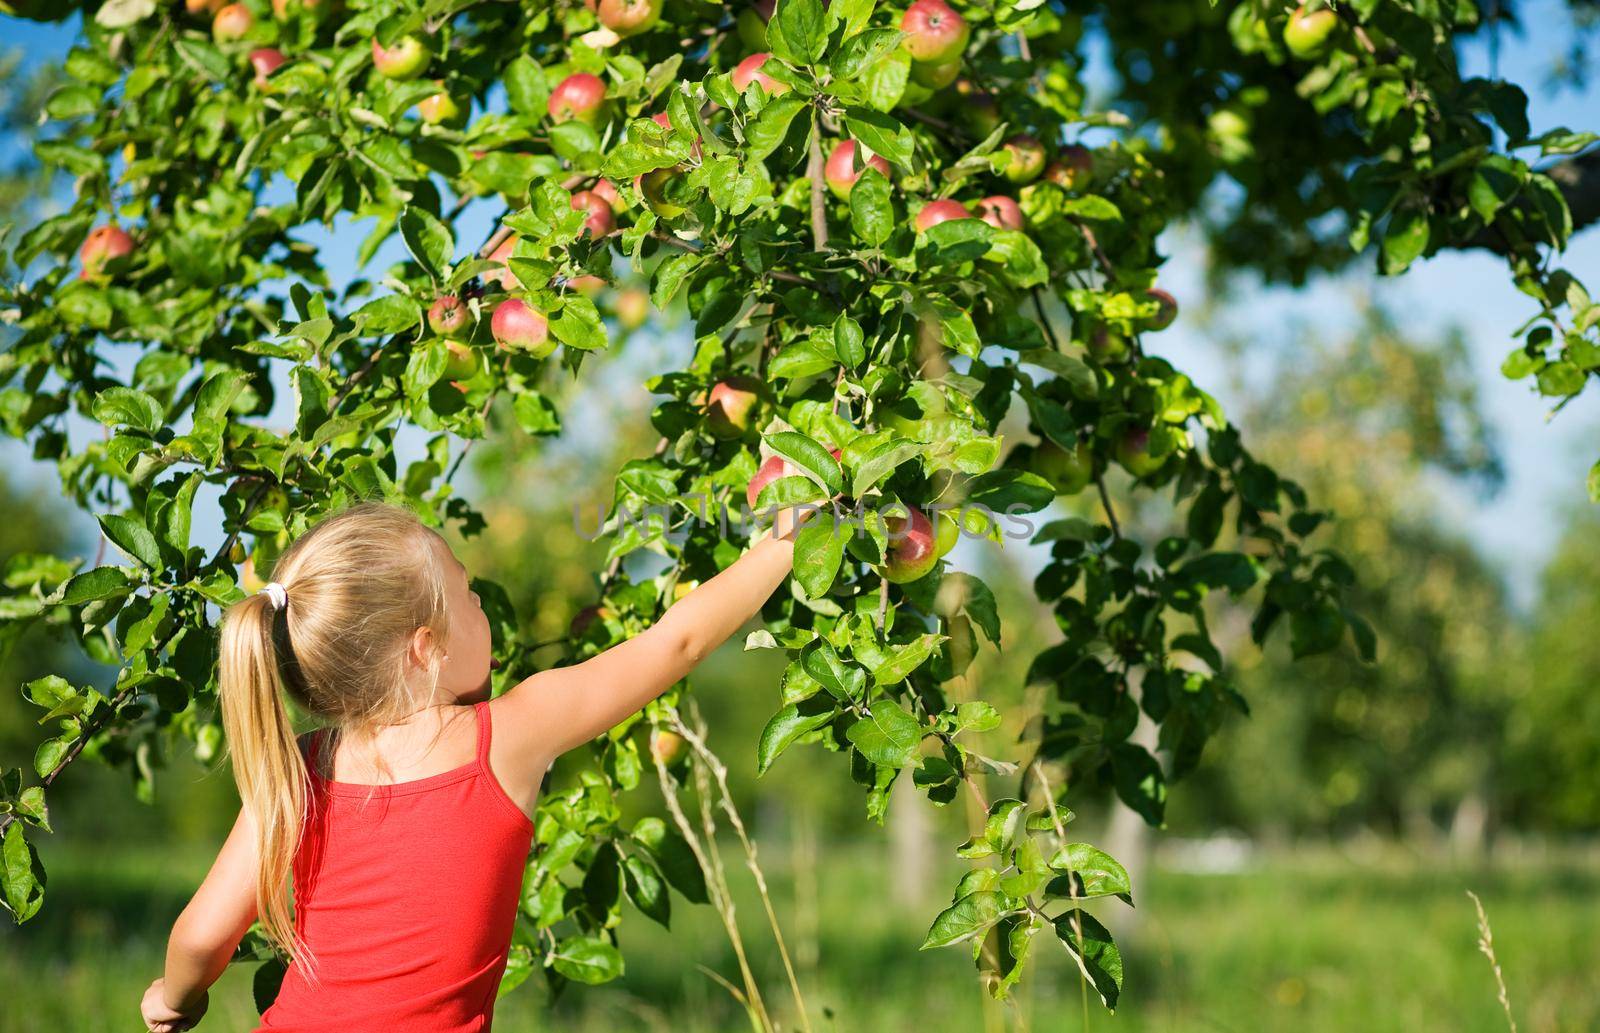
point(819, 207)
point(1105, 500)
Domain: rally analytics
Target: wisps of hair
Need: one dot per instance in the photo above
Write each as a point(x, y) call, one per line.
point(359, 584)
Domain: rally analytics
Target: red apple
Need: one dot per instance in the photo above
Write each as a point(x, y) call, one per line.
point(935, 212)
point(579, 96)
point(405, 60)
point(841, 168)
point(232, 23)
point(732, 404)
point(1025, 158)
point(775, 468)
point(600, 221)
point(103, 244)
point(447, 316)
point(935, 33)
point(749, 71)
point(1306, 33)
point(628, 17)
point(1073, 170)
point(603, 188)
point(912, 550)
point(1166, 313)
point(1001, 212)
point(203, 6)
point(265, 61)
point(1133, 452)
point(518, 326)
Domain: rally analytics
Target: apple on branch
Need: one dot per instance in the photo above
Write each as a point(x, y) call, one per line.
point(749, 71)
point(935, 33)
point(579, 97)
point(518, 326)
point(1306, 33)
point(1073, 170)
point(733, 404)
point(599, 222)
point(912, 551)
point(841, 172)
point(1025, 158)
point(935, 212)
point(1166, 313)
point(461, 362)
point(1069, 472)
point(1133, 452)
point(101, 246)
point(264, 61)
point(232, 23)
point(404, 60)
point(1001, 212)
point(628, 17)
point(448, 315)
point(441, 109)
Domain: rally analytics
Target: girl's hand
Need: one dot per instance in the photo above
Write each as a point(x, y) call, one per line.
point(159, 1017)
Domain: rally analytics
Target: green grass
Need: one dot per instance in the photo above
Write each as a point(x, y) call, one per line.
point(1306, 942)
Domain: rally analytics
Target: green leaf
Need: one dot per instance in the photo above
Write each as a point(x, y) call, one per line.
point(967, 917)
point(1095, 952)
point(677, 861)
point(1405, 239)
point(881, 461)
point(846, 681)
point(818, 551)
point(132, 537)
point(1095, 872)
point(872, 207)
point(882, 134)
point(644, 885)
point(1139, 781)
point(788, 725)
point(810, 457)
point(127, 405)
point(798, 32)
point(770, 127)
point(22, 877)
point(579, 325)
point(888, 736)
point(430, 241)
point(389, 314)
point(587, 959)
point(99, 583)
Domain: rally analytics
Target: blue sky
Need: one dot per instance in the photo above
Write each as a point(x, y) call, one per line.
point(1546, 461)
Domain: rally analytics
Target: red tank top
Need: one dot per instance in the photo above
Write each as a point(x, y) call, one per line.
point(407, 894)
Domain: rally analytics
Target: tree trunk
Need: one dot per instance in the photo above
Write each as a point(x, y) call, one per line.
point(1129, 840)
point(910, 844)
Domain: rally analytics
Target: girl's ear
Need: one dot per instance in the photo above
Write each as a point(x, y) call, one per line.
point(422, 647)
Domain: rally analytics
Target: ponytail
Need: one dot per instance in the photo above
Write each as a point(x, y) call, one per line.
point(267, 763)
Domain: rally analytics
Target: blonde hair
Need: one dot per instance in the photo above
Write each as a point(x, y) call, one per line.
point(358, 584)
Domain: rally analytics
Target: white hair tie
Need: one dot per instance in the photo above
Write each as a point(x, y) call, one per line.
point(277, 593)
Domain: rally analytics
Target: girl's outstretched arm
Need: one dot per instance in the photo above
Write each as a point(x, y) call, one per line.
point(554, 711)
point(206, 933)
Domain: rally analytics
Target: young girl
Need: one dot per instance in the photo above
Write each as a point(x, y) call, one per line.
point(404, 824)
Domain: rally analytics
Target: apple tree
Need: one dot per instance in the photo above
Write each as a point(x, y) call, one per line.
point(891, 228)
